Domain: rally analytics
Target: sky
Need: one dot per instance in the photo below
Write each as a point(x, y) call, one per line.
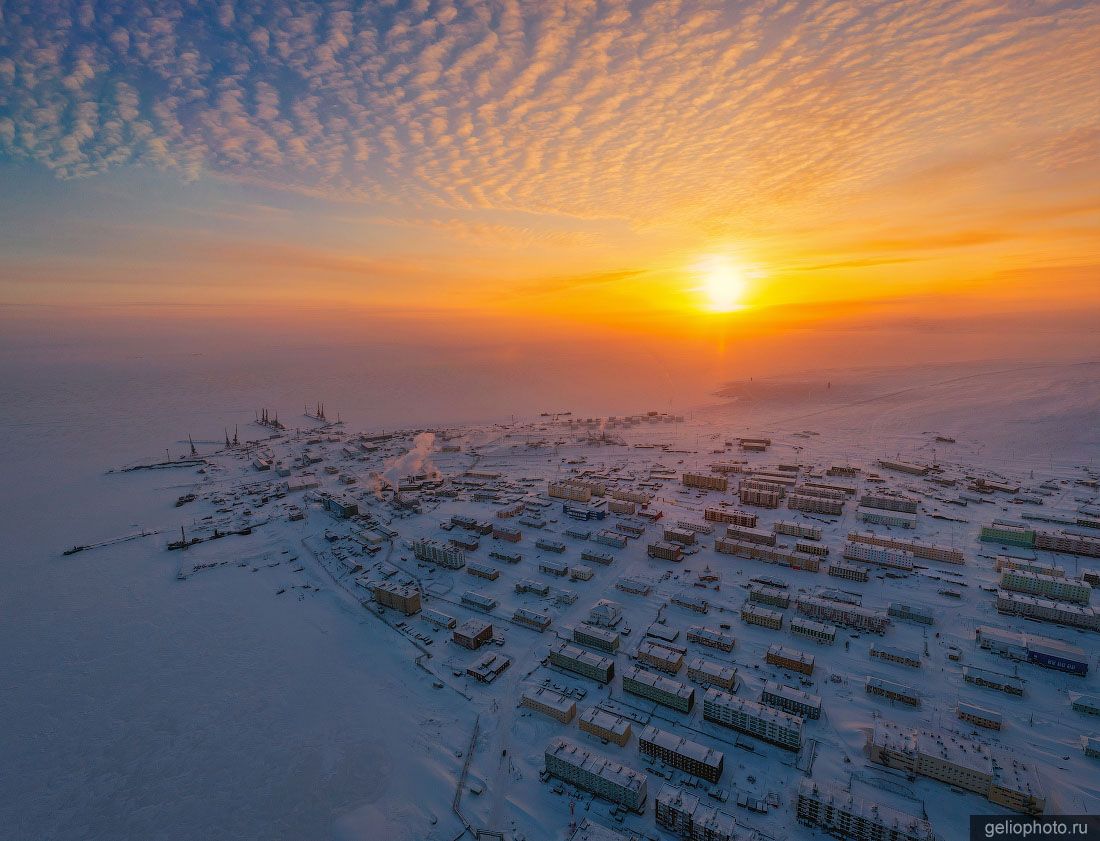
point(794, 176)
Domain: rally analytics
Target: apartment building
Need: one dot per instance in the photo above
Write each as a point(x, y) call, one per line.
point(593, 772)
point(663, 690)
point(681, 753)
point(755, 719)
point(843, 815)
point(549, 702)
point(791, 700)
point(714, 674)
point(605, 725)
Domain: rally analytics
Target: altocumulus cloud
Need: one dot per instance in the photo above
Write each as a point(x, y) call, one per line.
point(657, 111)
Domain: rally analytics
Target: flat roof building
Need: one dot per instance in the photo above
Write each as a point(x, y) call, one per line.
point(596, 773)
point(681, 753)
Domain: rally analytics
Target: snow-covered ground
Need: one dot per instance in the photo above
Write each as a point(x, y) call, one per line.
point(238, 688)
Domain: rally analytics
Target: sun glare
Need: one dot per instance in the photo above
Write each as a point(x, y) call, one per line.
point(722, 283)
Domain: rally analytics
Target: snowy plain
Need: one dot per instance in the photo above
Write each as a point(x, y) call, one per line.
point(137, 705)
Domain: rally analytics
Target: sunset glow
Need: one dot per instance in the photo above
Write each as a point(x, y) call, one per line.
point(640, 167)
point(723, 283)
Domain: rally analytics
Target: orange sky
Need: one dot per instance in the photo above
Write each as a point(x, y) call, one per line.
point(549, 167)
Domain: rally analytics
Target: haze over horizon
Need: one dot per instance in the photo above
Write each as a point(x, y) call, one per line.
point(825, 181)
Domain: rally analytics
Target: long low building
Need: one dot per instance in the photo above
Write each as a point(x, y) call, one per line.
point(959, 762)
point(755, 719)
point(893, 691)
point(844, 815)
point(1049, 586)
point(1036, 607)
point(853, 616)
point(988, 679)
point(596, 773)
point(681, 753)
point(1031, 648)
point(919, 549)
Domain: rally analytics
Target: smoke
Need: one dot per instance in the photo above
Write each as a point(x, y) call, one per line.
point(416, 460)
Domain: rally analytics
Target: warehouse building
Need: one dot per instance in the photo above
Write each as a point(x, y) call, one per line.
point(755, 719)
point(582, 662)
point(595, 773)
point(403, 597)
point(434, 552)
point(711, 637)
point(714, 674)
point(1042, 651)
point(682, 754)
point(605, 725)
point(730, 516)
point(473, 633)
point(705, 482)
point(819, 632)
point(1049, 586)
point(549, 702)
point(1061, 613)
point(959, 762)
point(852, 616)
point(893, 691)
point(596, 637)
point(844, 815)
point(663, 690)
point(791, 700)
point(790, 658)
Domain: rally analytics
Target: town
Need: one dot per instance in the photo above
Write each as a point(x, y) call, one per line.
point(664, 629)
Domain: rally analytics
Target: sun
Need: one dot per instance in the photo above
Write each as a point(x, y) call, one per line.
point(722, 283)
